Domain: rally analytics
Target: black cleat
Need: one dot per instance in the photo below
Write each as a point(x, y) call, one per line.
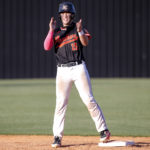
point(104, 136)
point(57, 142)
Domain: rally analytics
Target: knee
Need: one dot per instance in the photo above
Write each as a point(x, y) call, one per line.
point(91, 104)
point(93, 108)
point(61, 105)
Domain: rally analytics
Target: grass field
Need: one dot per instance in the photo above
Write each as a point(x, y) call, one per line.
point(27, 107)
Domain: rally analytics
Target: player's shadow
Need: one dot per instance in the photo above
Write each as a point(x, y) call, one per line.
point(79, 144)
point(142, 144)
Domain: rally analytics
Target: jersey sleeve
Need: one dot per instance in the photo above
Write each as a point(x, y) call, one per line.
point(87, 34)
point(48, 43)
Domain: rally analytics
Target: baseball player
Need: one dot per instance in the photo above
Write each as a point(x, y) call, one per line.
point(68, 41)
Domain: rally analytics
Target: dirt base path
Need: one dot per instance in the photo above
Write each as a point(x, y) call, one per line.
point(21, 142)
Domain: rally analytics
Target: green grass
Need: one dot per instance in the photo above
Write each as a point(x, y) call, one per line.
point(27, 107)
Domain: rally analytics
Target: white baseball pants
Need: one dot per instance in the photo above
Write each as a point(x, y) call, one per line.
point(64, 79)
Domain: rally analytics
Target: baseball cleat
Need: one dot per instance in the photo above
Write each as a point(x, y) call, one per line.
point(104, 136)
point(57, 142)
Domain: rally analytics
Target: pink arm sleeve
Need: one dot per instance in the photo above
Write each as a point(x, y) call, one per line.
point(48, 43)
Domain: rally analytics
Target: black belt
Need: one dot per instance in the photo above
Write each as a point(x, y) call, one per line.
point(70, 64)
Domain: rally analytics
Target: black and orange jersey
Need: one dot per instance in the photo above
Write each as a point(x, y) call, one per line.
point(68, 47)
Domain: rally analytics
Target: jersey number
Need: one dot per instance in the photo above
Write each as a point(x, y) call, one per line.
point(74, 46)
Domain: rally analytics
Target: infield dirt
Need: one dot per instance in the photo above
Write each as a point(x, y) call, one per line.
point(33, 142)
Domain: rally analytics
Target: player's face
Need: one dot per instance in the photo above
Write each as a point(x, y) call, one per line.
point(65, 18)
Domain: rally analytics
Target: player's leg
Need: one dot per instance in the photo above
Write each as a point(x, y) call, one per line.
point(63, 87)
point(83, 85)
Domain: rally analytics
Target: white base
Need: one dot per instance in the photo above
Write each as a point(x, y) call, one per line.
point(116, 143)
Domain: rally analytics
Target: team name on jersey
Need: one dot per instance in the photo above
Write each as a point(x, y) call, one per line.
point(60, 42)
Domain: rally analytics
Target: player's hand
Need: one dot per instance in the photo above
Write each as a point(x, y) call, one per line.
point(52, 24)
point(79, 25)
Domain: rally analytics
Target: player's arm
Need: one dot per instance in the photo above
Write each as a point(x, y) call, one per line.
point(82, 35)
point(83, 38)
point(48, 43)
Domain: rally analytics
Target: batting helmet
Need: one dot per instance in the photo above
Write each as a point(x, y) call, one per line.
point(66, 7)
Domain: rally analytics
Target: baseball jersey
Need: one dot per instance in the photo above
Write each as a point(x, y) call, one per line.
point(67, 45)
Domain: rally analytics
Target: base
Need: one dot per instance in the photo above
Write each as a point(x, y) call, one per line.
point(116, 143)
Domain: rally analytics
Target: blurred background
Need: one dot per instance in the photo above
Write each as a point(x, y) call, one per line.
point(120, 44)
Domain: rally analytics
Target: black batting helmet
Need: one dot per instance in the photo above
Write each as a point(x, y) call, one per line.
point(66, 7)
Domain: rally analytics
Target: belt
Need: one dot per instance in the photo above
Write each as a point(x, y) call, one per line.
point(70, 64)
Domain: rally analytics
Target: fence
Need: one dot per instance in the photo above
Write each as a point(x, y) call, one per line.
point(120, 44)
